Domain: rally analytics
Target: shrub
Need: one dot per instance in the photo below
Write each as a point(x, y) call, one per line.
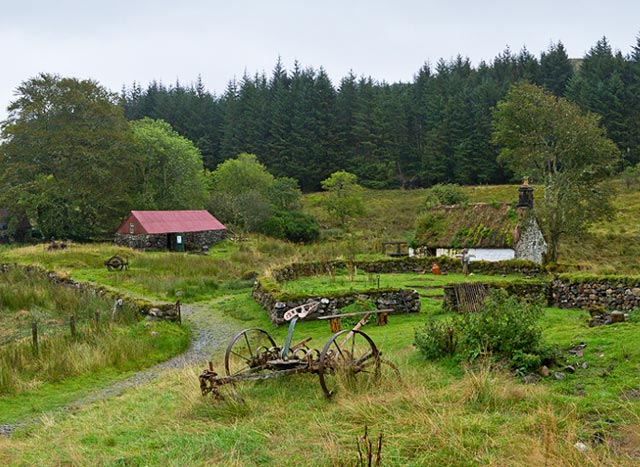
point(437, 339)
point(294, 226)
point(634, 316)
point(505, 327)
point(445, 194)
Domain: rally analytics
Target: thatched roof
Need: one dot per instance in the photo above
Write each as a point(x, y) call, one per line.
point(479, 225)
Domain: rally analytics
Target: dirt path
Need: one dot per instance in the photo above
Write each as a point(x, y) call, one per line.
point(211, 334)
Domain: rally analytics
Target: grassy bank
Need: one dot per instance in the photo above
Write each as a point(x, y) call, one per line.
point(33, 377)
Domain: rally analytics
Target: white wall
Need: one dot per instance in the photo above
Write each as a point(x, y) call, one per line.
point(480, 254)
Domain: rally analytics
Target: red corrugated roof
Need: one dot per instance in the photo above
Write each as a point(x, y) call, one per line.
point(155, 222)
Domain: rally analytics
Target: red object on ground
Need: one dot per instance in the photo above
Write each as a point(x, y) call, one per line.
point(435, 269)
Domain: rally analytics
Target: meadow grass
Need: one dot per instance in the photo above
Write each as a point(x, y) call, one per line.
point(123, 345)
point(343, 280)
point(440, 413)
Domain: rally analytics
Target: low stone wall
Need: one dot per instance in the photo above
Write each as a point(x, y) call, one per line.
point(588, 293)
point(406, 265)
point(398, 300)
point(159, 311)
point(192, 240)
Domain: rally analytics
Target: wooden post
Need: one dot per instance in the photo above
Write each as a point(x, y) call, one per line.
point(179, 310)
point(72, 326)
point(97, 318)
point(34, 337)
point(382, 319)
point(334, 325)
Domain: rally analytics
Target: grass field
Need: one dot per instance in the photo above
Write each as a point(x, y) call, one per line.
point(445, 412)
point(441, 413)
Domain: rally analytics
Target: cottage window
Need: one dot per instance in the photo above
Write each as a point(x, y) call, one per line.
point(131, 228)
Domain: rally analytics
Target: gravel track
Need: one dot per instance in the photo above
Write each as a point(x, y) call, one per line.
point(211, 333)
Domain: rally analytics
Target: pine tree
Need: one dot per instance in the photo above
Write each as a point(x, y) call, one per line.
point(556, 69)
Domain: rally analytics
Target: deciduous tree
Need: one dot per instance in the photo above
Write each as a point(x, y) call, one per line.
point(66, 158)
point(170, 173)
point(554, 142)
point(344, 198)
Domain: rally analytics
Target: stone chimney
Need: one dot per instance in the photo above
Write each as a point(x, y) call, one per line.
point(525, 195)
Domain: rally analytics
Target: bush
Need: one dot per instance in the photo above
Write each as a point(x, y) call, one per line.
point(294, 226)
point(505, 328)
point(445, 194)
point(437, 339)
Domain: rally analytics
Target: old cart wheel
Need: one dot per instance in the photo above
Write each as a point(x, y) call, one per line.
point(347, 354)
point(115, 262)
point(248, 350)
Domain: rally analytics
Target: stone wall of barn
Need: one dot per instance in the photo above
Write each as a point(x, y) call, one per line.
point(192, 240)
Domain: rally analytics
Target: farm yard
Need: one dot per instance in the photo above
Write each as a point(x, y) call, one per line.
point(435, 266)
point(453, 410)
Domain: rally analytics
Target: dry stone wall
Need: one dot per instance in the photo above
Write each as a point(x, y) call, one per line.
point(406, 265)
point(397, 300)
point(611, 293)
point(154, 311)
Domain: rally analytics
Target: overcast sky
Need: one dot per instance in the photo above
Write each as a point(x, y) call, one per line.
point(117, 42)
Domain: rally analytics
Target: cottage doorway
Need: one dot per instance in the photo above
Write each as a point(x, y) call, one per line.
point(175, 242)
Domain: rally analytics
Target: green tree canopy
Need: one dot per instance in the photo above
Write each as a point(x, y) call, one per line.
point(554, 142)
point(247, 197)
point(170, 172)
point(344, 198)
point(242, 174)
point(66, 158)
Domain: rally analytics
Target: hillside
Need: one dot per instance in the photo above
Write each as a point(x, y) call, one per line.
point(608, 247)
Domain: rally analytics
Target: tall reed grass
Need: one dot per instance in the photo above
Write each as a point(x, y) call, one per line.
point(28, 296)
point(60, 356)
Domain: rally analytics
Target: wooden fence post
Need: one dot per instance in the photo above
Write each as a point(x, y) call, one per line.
point(72, 326)
point(34, 337)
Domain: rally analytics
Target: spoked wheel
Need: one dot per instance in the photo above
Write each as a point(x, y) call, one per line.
point(347, 354)
point(249, 350)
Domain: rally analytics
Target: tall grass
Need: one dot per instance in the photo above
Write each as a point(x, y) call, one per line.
point(60, 357)
point(27, 296)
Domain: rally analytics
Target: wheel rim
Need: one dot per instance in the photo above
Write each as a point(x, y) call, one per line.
point(344, 356)
point(246, 350)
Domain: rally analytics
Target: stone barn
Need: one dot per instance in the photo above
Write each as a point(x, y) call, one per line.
point(490, 231)
point(170, 230)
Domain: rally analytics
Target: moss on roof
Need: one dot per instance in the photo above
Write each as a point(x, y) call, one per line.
point(479, 225)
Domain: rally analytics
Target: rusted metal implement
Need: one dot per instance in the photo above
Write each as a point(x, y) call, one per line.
point(117, 263)
point(253, 355)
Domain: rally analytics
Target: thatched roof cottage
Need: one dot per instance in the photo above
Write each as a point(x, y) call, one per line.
point(490, 231)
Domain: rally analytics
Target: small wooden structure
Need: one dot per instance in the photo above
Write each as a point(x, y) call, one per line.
point(467, 297)
point(395, 248)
